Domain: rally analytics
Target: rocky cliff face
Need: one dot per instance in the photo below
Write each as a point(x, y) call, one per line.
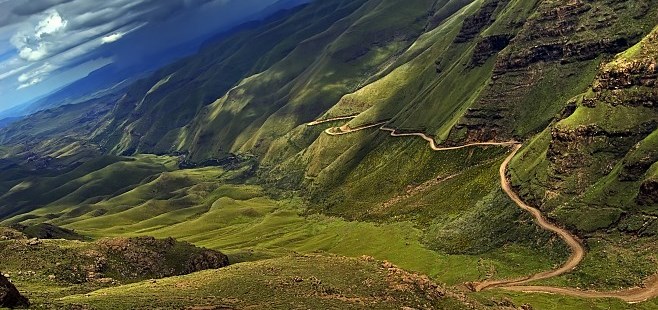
point(648, 195)
point(591, 152)
point(489, 46)
point(628, 84)
point(554, 50)
point(569, 31)
point(603, 155)
point(475, 23)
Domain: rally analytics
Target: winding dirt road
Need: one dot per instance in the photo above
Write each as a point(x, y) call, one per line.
point(340, 118)
point(435, 147)
point(338, 131)
point(577, 249)
point(633, 295)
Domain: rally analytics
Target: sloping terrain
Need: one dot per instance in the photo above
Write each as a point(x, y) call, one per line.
point(80, 181)
point(591, 170)
point(157, 112)
point(309, 131)
point(601, 157)
point(291, 282)
point(57, 268)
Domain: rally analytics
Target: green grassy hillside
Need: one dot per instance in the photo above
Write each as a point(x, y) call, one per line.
point(239, 170)
point(157, 113)
point(592, 170)
point(203, 207)
point(310, 79)
point(293, 282)
point(58, 268)
point(85, 183)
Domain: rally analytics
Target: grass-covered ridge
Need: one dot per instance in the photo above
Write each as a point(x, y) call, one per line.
point(83, 183)
point(243, 172)
point(288, 282)
point(592, 170)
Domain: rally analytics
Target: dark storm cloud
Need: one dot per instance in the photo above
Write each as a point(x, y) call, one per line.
point(58, 26)
point(30, 7)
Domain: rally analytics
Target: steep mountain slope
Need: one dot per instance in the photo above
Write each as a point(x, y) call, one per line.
point(601, 158)
point(415, 97)
point(156, 111)
point(287, 72)
point(557, 48)
point(594, 170)
point(310, 79)
point(573, 81)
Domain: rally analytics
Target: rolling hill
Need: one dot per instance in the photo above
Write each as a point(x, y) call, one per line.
point(430, 134)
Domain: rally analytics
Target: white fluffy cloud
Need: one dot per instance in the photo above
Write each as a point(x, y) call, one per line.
point(54, 32)
point(33, 43)
point(52, 23)
point(112, 38)
point(29, 83)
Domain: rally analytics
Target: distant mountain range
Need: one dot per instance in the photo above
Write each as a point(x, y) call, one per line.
point(111, 76)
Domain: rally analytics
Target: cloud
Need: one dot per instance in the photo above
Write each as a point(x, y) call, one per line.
point(35, 76)
point(58, 31)
point(53, 23)
point(112, 38)
point(15, 71)
point(31, 7)
point(33, 54)
point(41, 40)
point(29, 83)
point(52, 27)
point(33, 43)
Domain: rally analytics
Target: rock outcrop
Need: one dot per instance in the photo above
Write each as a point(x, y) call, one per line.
point(552, 47)
point(489, 46)
point(10, 297)
point(47, 231)
point(630, 74)
point(478, 21)
point(147, 257)
point(206, 259)
point(573, 150)
point(11, 234)
point(648, 194)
